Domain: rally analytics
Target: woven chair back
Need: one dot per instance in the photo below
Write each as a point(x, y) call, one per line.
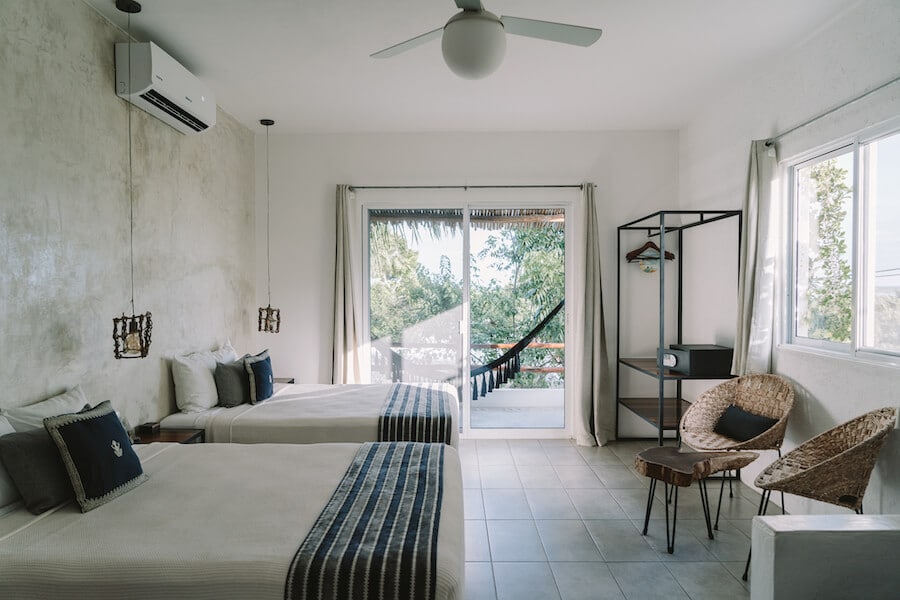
point(835, 466)
point(763, 394)
point(767, 395)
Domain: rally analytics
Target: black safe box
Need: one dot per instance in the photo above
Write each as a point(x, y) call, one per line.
point(698, 359)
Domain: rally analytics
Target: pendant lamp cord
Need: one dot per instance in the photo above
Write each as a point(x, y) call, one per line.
point(268, 204)
point(130, 169)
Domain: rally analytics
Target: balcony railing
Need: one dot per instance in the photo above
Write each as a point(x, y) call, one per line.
point(484, 378)
point(500, 370)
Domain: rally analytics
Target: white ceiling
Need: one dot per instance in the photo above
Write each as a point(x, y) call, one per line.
point(307, 65)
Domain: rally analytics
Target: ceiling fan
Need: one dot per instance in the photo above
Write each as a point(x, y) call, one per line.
point(473, 41)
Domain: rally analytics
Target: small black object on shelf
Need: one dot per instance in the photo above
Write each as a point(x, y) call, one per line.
point(146, 428)
point(698, 359)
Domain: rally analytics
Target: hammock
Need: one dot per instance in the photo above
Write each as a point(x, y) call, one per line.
point(492, 375)
point(502, 369)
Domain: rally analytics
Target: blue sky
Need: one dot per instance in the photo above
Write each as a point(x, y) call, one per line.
point(887, 225)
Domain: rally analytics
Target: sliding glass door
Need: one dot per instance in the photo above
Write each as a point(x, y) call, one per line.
point(472, 294)
point(416, 295)
point(517, 293)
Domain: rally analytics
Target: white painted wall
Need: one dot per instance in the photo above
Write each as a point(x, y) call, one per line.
point(64, 220)
point(858, 553)
point(635, 173)
point(857, 52)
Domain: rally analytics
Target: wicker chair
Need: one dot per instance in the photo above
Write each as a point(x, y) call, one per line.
point(833, 467)
point(766, 395)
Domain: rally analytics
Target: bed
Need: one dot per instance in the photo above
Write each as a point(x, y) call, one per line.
point(211, 521)
point(312, 413)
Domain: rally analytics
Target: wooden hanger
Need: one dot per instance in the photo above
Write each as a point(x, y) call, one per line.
point(638, 254)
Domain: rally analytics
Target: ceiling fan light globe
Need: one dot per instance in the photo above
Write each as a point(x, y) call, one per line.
point(473, 44)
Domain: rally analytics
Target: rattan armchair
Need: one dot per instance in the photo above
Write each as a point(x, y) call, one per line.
point(765, 395)
point(833, 467)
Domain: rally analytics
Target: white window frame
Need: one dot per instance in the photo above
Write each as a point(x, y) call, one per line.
point(860, 248)
point(453, 199)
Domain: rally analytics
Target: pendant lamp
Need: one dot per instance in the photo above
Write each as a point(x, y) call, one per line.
point(131, 334)
point(269, 318)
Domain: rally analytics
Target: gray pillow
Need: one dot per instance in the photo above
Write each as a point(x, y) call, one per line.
point(33, 462)
point(232, 383)
point(9, 493)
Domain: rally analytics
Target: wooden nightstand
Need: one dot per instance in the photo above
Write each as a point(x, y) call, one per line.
point(182, 436)
point(283, 380)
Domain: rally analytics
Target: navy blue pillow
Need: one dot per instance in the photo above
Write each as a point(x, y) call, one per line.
point(738, 424)
point(262, 384)
point(97, 454)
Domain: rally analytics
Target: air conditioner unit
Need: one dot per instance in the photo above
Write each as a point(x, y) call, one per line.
point(161, 86)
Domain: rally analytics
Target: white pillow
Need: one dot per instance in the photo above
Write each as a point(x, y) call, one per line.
point(23, 418)
point(225, 354)
point(8, 491)
point(195, 388)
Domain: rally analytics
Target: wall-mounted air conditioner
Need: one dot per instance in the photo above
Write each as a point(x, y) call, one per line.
point(161, 86)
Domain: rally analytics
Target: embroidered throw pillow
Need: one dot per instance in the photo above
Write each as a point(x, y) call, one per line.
point(97, 454)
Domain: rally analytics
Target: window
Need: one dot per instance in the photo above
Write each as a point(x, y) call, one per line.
point(846, 239)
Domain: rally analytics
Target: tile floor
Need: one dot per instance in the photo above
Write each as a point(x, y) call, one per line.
point(546, 519)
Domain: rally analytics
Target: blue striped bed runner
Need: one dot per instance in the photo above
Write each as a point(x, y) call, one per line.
point(377, 536)
point(417, 413)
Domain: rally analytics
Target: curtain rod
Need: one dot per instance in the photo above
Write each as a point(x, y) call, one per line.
point(460, 187)
point(775, 138)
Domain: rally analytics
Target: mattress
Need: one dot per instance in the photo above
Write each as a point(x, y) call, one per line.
point(303, 414)
point(216, 521)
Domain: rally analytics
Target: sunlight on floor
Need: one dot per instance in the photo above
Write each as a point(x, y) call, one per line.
point(510, 408)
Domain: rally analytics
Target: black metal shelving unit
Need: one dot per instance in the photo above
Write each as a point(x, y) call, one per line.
point(661, 411)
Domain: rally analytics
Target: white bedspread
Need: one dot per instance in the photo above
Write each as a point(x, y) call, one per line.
point(217, 521)
point(303, 414)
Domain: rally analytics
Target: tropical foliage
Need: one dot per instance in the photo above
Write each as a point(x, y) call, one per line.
point(517, 279)
point(402, 292)
point(830, 292)
point(533, 259)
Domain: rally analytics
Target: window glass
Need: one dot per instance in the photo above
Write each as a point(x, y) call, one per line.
point(824, 241)
point(882, 292)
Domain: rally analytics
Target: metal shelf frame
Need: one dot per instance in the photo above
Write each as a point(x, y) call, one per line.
point(658, 224)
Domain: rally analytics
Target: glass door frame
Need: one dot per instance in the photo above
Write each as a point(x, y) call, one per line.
point(459, 201)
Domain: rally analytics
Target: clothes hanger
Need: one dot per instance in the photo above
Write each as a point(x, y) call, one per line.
point(648, 250)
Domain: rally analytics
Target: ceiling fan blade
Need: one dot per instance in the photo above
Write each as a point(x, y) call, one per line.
point(554, 32)
point(469, 5)
point(408, 44)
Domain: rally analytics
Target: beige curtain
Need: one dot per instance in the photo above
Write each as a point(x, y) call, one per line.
point(754, 336)
point(350, 364)
point(595, 414)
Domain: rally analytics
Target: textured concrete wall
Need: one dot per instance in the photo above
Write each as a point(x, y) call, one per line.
point(64, 219)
